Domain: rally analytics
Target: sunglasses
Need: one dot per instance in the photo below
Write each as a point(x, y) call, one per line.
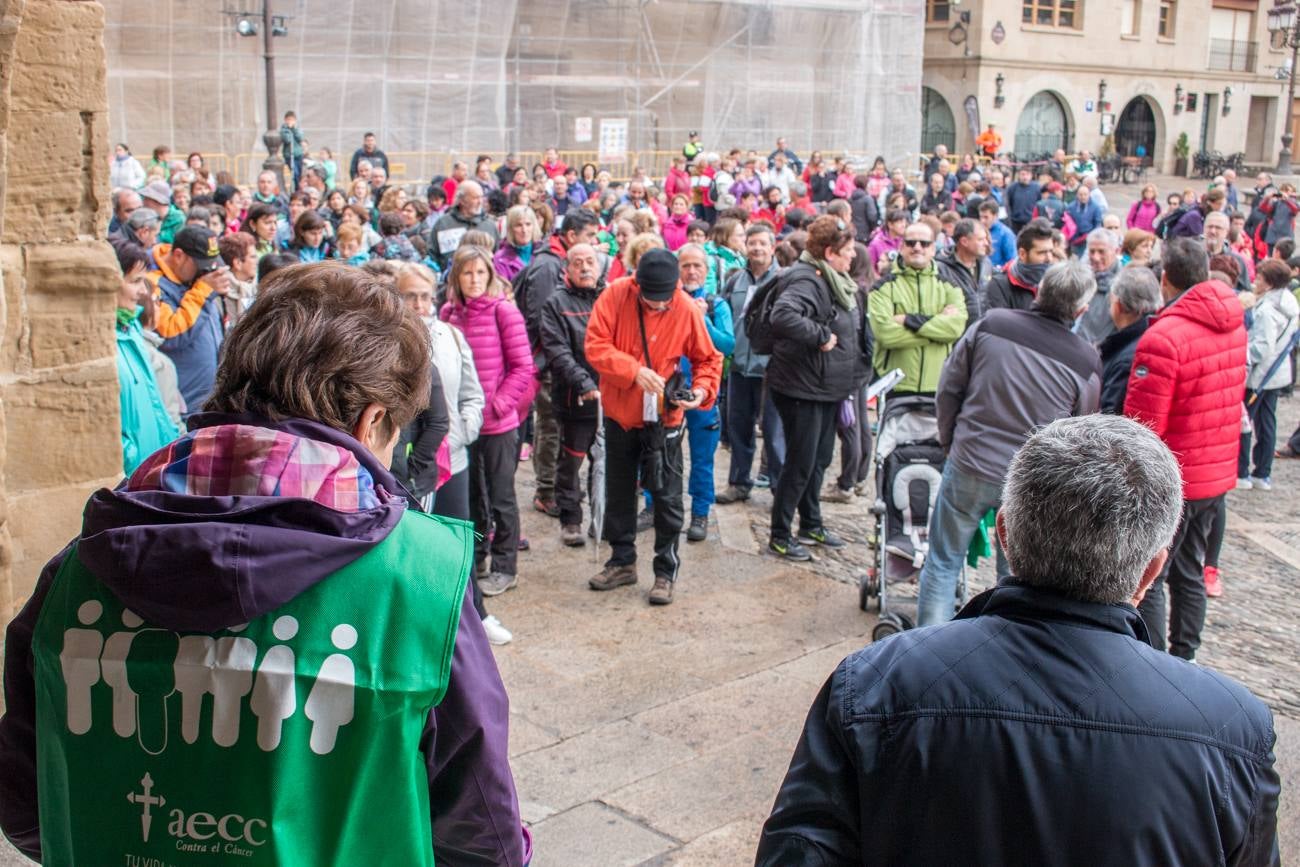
point(916, 242)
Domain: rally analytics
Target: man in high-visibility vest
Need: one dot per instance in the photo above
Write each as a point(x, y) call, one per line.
point(255, 652)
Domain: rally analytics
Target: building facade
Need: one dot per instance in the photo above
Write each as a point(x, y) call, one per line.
point(1071, 73)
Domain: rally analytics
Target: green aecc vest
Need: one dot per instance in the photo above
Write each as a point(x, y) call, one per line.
point(293, 740)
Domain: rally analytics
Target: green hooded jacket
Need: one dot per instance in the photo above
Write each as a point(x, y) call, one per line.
point(920, 344)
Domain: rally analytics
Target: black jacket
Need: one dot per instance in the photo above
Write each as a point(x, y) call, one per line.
point(563, 328)
point(1020, 200)
point(415, 457)
point(448, 231)
point(804, 317)
point(936, 204)
point(866, 216)
point(951, 270)
point(541, 278)
point(1001, 292)
point(1117, 352)
point(1033, 730)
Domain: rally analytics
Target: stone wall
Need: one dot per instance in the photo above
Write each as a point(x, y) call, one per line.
point(58, 279)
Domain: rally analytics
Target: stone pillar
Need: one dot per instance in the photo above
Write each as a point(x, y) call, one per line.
point(58, 279)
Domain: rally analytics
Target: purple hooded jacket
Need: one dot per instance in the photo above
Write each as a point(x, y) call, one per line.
point(494, 329)
point(203, 563)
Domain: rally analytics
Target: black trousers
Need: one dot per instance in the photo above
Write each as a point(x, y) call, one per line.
point(452, 501)
point(855, 445)
point(492, 505)
point(1263, 419)
point(622, 462)
point(1184, 573)
point(577, 433)
point(748, 403)
point(809, 427)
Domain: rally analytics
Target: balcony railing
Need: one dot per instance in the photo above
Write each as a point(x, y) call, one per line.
point(1232, 55)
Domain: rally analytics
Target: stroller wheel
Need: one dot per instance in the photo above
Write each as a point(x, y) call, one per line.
point(884, 629)
point(868, 589)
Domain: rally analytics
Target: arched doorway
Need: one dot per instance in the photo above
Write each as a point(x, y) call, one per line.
point(937, 124)
point(1043, 127)
point(1135, 133)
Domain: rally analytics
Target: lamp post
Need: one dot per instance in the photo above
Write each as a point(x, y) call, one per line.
point(269, 27)
point(1284, 24)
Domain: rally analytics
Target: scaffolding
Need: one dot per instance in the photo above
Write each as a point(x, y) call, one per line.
point(436, 80)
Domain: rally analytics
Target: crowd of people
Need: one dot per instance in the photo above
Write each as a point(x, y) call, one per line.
point(1101, 379)
point(847, 272)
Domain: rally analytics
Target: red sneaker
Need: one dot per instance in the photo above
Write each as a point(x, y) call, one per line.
point(1213, 586)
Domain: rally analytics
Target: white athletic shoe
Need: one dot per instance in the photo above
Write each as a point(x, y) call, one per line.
point(496, 633)
point(1244, 485)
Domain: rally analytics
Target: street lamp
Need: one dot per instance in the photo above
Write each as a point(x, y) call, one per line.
point(998, 99)
point(1285, 29)
point(268, 27)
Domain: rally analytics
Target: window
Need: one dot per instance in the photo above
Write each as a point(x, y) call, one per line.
point(1168, 18)
point(1052, 13)
point(1131, 18)
point(937, 11)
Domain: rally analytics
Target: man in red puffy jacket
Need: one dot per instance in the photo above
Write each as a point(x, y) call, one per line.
point(1188, 379)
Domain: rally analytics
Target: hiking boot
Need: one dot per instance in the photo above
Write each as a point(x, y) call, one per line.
point(1213, 583)
point(662, 592)
point(572, 535)
point(612, 576)
point(822, 537)
point(496, 633)
point(731, 495)
point(497, 583)
point(790, 550)
point(645, 520)
point(547, 507)
point(838, 495)
point(762, 480)
point(699, 530)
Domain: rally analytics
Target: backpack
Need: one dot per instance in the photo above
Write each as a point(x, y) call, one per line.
point(1053, 212)
point(758, 315)
point(1169, 220)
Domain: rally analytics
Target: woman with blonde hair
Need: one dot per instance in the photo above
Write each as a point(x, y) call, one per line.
point(637, 247)
point(392, 201)
point(494, 329)
point(521, 238)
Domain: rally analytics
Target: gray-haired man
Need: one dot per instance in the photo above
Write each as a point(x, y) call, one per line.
point(1103, 257)
point(1012, 371)
point(1133, 298)
point(1089, 741)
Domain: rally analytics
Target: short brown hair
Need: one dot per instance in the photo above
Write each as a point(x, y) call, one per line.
point(1276, 274)
point(235, 246)
point(827, 233)
point(323, 342)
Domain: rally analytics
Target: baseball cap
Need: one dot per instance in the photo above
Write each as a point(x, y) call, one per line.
point(1055, 187)
point(158, 191)
point(657, 274)
point(200, 244)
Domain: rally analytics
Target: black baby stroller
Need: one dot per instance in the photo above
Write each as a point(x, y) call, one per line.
point(909, 468)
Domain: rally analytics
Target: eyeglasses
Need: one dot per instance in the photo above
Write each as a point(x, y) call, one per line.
point(917, 242)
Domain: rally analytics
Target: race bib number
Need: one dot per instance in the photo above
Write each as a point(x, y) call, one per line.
point(449, 240)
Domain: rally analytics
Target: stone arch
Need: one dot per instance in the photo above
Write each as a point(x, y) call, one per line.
point(1044, 125)
point(938, 126)
point(1140, 125)
point(58, 378)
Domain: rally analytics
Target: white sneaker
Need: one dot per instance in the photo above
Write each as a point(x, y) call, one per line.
point(1244, 485)
point(1261, 484)
point(496, 633)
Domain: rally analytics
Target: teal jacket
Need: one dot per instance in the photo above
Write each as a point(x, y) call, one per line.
point(921, 343)
point(722, 262)
point(171, 224)
point(146, 426)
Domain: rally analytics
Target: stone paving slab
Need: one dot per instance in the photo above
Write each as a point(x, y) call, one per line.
point(595, 834)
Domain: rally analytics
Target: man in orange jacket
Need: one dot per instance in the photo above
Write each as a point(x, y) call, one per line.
point(641, 331)
point(989, 142)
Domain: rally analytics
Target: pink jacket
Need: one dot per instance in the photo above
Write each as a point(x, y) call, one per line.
point(1142, 215)
point(677, 182)
point(844, 185)
point(675, 231)
point(494, 329)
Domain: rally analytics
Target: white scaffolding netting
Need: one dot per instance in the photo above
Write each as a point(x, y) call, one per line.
point(434, 78)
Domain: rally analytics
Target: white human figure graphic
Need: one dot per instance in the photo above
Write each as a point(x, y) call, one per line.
point(332, 701)
point(232, 679)
point(195, 657)
point(113, 663)
point(275, 696)
point(79, 661)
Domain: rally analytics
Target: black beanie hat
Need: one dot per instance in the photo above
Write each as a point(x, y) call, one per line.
point(656, 275)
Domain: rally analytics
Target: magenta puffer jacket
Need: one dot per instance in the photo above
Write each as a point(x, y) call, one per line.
point(494, 329)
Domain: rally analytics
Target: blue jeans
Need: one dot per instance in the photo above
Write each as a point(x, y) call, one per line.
point(962, 503)
point(746, 404)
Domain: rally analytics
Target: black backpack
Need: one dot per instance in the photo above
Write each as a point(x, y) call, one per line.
point(1169, 220)
point(758, 316)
